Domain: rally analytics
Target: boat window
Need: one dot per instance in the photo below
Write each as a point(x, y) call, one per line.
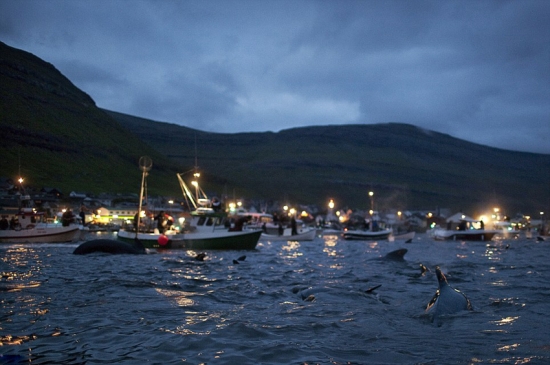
point(210, 221)
point(201, 221)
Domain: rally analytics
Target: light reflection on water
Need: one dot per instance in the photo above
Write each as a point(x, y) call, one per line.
point(506, 321)
point(168, 307)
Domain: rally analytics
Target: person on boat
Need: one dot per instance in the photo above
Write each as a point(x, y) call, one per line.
point(136, 222)
point(14, 223)
point(238, 225)
point(481, 225)
point(67, 218)
point(169, 222)
point(82, 215)
point(4, 224)
point(160, 221)
point(216, 204)
point(293, 227)
point(281, 229)
point(366, 224)
point(264, 228)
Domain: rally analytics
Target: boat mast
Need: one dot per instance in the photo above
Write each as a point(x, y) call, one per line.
point(145, 164)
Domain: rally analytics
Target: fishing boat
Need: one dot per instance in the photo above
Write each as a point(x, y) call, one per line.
point(366, 235)
point(207, 227)
point(29, 226)
point(207, 230)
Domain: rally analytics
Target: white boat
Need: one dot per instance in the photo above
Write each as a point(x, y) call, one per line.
point(461, 227)
point(464, 235)
point(402, 237)
point(365, 235)
point(303, 234)
point(29, 226)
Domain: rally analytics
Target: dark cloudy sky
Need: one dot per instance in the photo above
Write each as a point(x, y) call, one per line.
point(477, 70)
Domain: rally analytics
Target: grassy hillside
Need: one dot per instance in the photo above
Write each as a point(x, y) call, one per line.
point(405, 166)
point(57, 136)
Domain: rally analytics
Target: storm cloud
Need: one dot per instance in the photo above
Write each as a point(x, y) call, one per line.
point(477, 70)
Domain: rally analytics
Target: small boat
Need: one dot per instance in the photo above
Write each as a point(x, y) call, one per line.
point(441, 234)
point(29, 226)
point(304, 234)
point(402, 237)
point(261, 221)
point(359, 234)
point(461, 227)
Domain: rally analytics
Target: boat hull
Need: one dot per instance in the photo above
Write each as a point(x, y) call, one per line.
point(403, 236)
point(469, 235)
point(308, 235)
point(216, 240)
point(366, 235)
point(41, 235)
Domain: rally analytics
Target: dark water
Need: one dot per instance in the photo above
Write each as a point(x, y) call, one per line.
point(168, 308)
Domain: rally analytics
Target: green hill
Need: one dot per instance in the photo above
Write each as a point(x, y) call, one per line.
point(56, 135)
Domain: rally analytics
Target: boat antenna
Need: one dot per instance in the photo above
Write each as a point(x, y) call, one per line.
point(145, 164)
point(196, 163)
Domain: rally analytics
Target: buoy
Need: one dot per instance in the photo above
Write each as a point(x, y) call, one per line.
point(162, 240)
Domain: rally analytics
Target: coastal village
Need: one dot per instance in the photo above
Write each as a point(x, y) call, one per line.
point(110, 211)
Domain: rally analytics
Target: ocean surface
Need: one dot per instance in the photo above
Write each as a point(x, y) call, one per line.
point(169, 308)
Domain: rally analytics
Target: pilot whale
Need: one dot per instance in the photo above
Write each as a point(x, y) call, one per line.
point(110, 246)
point(447, 300)
point(397, 255)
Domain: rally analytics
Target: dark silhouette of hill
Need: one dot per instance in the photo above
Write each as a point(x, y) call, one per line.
point(63, 140)
point(57, 136)
point(403, 165)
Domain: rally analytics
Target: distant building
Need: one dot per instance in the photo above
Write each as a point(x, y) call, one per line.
point(75, 195)
point(115, 215)
point(52, 192)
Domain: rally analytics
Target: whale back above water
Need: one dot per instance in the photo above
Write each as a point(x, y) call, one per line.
point(109, 246)
point(397, 255)
point(447, 300)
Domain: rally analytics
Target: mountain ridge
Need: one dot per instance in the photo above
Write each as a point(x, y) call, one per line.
point(64, 140)
point(398, 160)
